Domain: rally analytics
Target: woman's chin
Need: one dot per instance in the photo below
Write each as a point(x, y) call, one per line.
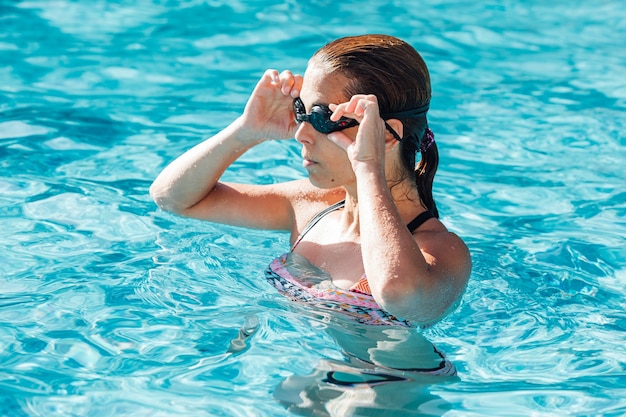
point(325, 183)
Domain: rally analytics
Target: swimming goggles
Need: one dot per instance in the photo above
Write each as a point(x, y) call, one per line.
point(319, 117)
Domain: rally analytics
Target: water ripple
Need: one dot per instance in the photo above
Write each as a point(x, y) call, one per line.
point(111, 307)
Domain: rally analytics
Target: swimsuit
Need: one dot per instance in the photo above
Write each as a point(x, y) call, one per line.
point(356, 303)
point(293, 276)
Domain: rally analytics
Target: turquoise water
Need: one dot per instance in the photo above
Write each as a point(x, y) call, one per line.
point(110, 307)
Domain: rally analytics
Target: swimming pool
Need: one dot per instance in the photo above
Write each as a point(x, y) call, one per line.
point(111, 307)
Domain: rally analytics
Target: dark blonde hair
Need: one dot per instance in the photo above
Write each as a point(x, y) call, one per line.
point(396, 74)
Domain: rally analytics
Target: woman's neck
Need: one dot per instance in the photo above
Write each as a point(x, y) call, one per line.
point(405, 197)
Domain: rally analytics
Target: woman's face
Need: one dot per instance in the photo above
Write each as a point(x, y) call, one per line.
point(327, 164)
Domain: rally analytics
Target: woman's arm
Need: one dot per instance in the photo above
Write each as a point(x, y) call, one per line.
point(190, 185)
point(417, 277)
point(193, 176)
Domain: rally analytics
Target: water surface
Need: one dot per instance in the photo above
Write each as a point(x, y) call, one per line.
point(109, 306)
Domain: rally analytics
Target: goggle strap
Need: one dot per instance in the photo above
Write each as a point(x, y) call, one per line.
point(393, 132)
point(407, 114)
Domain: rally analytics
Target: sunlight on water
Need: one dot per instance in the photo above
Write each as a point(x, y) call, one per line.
point(109, 306)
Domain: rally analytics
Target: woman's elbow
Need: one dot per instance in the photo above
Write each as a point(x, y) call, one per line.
point(163, 199)
point(422, 306)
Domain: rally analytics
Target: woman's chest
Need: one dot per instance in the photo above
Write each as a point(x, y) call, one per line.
point(335, 251)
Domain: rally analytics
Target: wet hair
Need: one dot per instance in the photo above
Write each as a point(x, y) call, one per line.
point(396, 74)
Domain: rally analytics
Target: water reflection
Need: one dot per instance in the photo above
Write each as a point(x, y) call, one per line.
point(385, 371)
point(387, 367)
point(335, 388)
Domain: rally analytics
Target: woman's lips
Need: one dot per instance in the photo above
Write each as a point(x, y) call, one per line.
point(307, 162)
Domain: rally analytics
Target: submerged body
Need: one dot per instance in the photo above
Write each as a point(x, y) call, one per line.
point(372, 339)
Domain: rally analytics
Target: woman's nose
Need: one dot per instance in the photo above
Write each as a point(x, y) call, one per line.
point(305, 133)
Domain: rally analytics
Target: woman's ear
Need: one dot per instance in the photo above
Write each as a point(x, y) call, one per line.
point(390, 139)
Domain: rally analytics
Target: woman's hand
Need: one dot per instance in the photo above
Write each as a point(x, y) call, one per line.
point(269, 111)
point(368, 147)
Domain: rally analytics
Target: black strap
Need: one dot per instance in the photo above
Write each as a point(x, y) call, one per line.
point(319, 216)
point(412, 226)
point(420, 220)
point(369, 378)
point(407, 114)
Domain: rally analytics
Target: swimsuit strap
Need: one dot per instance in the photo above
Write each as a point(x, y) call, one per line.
point(420, 220)
point(316, 219)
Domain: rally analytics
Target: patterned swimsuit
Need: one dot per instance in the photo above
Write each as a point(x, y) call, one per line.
point(356, 303)
point(314, 287)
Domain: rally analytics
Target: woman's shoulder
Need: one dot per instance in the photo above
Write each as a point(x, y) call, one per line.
point(446, 251)
point(309, 198)
point(304, 199)
point(300, 194)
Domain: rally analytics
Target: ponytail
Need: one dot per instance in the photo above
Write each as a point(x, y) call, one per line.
point(426, 169)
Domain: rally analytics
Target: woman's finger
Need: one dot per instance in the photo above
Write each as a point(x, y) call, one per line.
point(270, 76)
point(297, 86)
point(340, 139)
point(354, 108)
point(286, 82)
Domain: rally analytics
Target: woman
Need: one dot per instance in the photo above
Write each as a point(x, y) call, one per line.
point(364, 225)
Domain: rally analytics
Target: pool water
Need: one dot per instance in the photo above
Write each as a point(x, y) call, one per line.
point(111, 307)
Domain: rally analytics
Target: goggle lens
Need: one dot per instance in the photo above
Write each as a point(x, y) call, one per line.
point(319, 118)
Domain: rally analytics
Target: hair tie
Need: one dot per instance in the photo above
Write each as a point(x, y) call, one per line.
point(428, 140)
